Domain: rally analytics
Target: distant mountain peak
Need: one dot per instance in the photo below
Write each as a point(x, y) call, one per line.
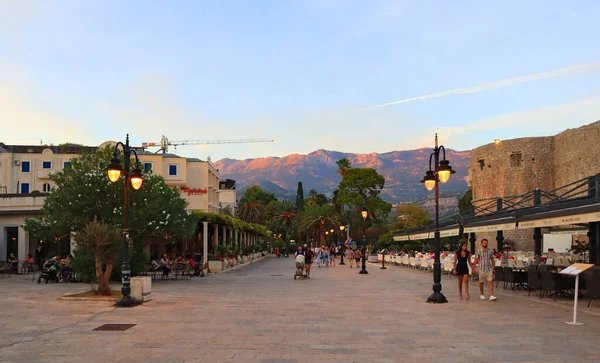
point(317, 170)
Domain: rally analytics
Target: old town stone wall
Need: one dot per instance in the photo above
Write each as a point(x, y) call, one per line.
point(513, 167)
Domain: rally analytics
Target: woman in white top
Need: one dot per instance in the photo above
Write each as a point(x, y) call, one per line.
point(165, 265)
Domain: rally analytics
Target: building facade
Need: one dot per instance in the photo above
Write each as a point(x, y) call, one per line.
point(25, 182)
point(513, 167)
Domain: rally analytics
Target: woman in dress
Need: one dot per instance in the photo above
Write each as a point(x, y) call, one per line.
point(320, 257)
point(326, 254)
point(461, 269)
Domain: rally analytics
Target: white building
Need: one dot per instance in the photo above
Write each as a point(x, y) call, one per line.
point(25, 182)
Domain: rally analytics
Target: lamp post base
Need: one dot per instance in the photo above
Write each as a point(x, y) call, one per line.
point(383, 268)
point(126, 301)
point(437, 298)
point(363, 272)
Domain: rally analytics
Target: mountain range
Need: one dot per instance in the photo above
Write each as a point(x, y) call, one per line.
point(403, 171)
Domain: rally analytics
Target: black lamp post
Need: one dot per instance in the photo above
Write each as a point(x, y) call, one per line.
point(343, 246)
point(441, 173)
point(114, 171)
point(364, 213)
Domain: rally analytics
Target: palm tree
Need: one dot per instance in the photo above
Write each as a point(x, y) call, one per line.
point(287, 215)
point(316, 217)
point(313, 197)
point(343, 165)
point(252, 212)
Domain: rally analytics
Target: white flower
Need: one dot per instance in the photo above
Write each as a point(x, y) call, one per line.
point(149, 223)
point(164, 212)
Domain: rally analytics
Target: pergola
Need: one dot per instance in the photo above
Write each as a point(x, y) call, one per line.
point(577, 203)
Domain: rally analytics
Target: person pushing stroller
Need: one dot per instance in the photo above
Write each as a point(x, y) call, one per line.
point(300, 263)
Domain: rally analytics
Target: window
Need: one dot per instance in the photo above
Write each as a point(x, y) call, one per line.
point(47, 164)
point(515, 160)
point(67, 164)
point(481, 164)
point(25, 166)
point(172, 169)
point(46, 187)
point(24, 188)
point(147, 167)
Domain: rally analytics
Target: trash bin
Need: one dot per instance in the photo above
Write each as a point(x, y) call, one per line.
point(136, 288)
point(146, 288)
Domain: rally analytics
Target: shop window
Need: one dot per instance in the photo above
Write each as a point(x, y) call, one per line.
point(47, 164)
point(515, 160)
point(25, 166)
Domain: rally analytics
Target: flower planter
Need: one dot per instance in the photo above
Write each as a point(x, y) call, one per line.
point(215, 266)
point(239, 260)
point(225, 264)
point(244, 259)
point(232, 261)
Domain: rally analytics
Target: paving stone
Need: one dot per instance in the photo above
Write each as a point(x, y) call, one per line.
point(338, 315)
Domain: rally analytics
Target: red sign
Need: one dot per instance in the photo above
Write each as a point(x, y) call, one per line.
point(193, 191)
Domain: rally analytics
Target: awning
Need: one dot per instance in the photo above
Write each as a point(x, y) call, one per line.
point(491, 228)
point(561, 221)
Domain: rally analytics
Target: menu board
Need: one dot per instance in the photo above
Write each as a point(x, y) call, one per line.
point(576, 269)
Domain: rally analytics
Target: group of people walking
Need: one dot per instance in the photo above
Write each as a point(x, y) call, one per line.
point(327, 256)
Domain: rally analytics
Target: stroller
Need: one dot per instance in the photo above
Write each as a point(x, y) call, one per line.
point(300, 267)
point(49, 272)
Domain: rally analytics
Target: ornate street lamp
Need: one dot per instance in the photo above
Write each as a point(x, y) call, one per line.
point(343, 246)
point(114, 171)
point(440, 173)
point(364, 213)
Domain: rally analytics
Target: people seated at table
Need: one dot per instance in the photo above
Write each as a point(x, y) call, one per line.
point(64, 273)
point(13, 262)
point(30, 259)
point(165, 266)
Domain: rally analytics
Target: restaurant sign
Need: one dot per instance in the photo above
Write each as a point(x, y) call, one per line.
point(491, 228)
point(400, 238)
point(418, 236)
point(449, 232)
point(193, 191)
point(561, 221)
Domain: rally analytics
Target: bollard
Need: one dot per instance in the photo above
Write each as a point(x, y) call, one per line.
point(383, 261)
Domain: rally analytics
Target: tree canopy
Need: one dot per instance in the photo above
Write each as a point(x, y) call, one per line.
point(84, 193)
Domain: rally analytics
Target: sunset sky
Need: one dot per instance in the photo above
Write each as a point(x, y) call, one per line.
point(345, 75)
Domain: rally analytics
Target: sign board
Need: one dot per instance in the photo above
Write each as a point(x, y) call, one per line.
point(449, 232)
point(561, 221)
point(419, 236)
point(576, 269)
point(400, 238)
point(491, 228)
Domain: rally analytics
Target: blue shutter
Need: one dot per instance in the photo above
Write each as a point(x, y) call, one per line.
point(147, 167)
point(24, 188)
point(67, 164)
point(172, 169)
point(47, 165)
point(25, 167)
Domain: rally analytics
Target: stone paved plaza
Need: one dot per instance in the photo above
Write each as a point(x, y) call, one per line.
point(259, 313)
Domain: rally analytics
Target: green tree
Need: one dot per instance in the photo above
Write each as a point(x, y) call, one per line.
point(300, 198)
point(361, 188)
point(84, 193)
point(411, 216)
point(256, 194)
point(343, 165)
point(317, 217)
point(104, 242)
point(321, 199)
point(464, 204)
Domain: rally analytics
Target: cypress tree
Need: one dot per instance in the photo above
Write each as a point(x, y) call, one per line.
point(299, 198)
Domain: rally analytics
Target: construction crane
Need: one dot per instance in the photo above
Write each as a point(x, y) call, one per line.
point(164, 143)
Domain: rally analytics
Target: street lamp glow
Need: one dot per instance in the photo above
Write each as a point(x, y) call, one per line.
point(445, 170)
point(364, 213)
point(342, 228)
point(429, 180)
point(136, 179)
point(114, 170)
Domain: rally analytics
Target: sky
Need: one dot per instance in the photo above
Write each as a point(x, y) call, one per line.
point(344, 75)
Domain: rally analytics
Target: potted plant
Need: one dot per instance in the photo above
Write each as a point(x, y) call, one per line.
point(215, 263)
point(231, 257)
